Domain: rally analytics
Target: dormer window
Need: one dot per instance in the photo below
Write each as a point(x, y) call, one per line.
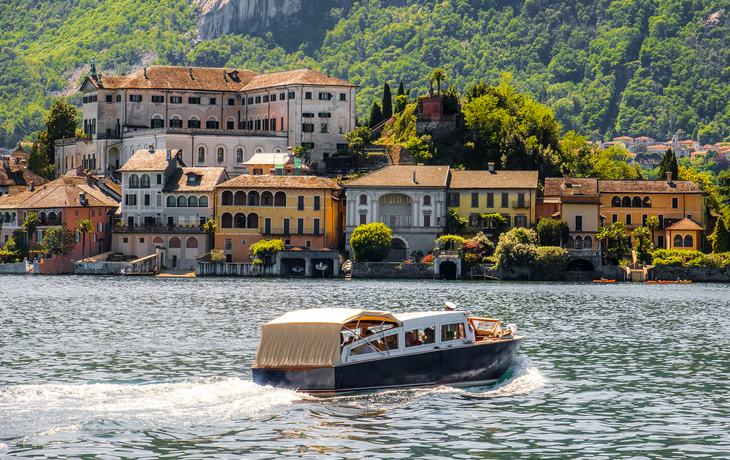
point(192, 178)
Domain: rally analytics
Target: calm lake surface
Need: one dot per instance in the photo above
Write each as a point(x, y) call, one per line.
point(160, 368)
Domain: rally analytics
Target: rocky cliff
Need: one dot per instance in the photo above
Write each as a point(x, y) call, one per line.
point(222, 17)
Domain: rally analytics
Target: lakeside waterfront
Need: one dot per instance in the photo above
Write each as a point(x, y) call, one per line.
point(119, 367)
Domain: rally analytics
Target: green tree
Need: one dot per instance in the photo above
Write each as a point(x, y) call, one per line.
point(720, 237)
point(85, 227)
point(438, 76)
point(300, 151)
point(454, 222)
point(643, 245)
point(400, 103)
point(449, 242)
point(451, 101)
point(38, 160)
point(420, 148)
point(387, 102)
point(58, 240)
point(517, 248)
point(265, 248)
point(358, 139)
point(60, 124)
point(30, 224)
point(10, 252)
point(376, 115)
point(401, 89)
point(480, 246)
point(552, 232)
point(371, 242)
point(668, 164)
point(652, 223)
point(210, 228)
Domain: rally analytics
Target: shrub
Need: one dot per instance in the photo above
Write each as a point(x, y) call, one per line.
point(428, 259)
point(517, 248)
point(551, 263)
point(371, 242)
point(265, 248)
point(480, 246)
point(709, 261)
point(669, 261)
point(552, 232)
point(217, 255)
point(450, 242)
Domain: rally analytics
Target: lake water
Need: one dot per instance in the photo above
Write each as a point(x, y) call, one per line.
point(160, 368)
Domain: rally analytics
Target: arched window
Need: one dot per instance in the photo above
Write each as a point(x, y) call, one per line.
point(145, 181)
point(182, 202)
point(571, 242)
point(239, 155)
point(678, 241)
point(688, 241)
point(203, 202)
point(240, 198)
point(636, 202)
point(587, 242)
point(239, 220)
point(252, 221)
point(259, 150)
point(647, 202)
point(427, 200)
point(227, 198)
point(220, 155)
point(174, 242)
point(267, 199)
point(52, 217)
point(133, 181)
point(158, 240)
point(615, 202)
point(626, 202)
point(253, 198)
point(193, 202)
point(192, 243)
point(201, 154)
point(280, 199)
point(42, 217)
point(578, 242)
point(171, 202)
point(363, 199)
point(226, 220)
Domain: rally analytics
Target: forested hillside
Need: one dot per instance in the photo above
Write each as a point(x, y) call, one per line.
point(606, 68)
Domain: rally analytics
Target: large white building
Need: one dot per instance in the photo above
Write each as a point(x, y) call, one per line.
point(217, 117)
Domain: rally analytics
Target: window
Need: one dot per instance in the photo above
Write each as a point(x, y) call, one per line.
point(134, 181)
point(323, 128)
point(230, 124)
point(628, 219)
point(266, 124)
point(130, 200)
point(474, 220)
point(363, 219)
point(231, 101)
point(308, 145)
point(307, 95)
point(193, 201)
point(300, 203)
point(145, 183)
point(427, 200)
point(343, 96)
point(175, 99)
point(587, 242)
point(315, 226)
point(258, 125)
point(474, 202)
point(316, 203)
point(249, 101)
point(520, 221)
point(135, 98)
point(308, 127)
point(194, 100)
point(171, 202)
point(158, 99)
point(688, 241)
point(420, 336)
point(678, 241)
point(643, 219)
point(119, 98)
point(266, 99)
point(146, 199)
point(282, 96)
point(626, 202)
point(325, 115)
point(212, 101)
point(194, 124)
point(520, 200)
point(203, 202)
point(229, 245)
point(661, 221)
point(292, 95)
point(660, 241)
point(156, 123)
point(325, 96)
point(176, 123)
point(490, 200)
point(125, 240)
point(614, 218)
point(108, 98)
point(220, 155)
point(273, 124)
point(675, 203)
point(451, 332)
point(308, 243)
point(689, 216)
point(258, 99)
point(505, 200)
point(212, 124)
point(300, 226)
point(273, 98)
point(92, 213)
point(307, 115)
point(578, 223)
point(426, 221)
point(201, 154)
point(615, 202)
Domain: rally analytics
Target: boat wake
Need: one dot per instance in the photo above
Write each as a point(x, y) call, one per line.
point(46, 410)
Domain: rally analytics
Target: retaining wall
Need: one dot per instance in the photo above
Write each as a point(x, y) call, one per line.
point(16, 268)
point(233, 269)
point(145, 265)
point(388, 270)
point(663, 272)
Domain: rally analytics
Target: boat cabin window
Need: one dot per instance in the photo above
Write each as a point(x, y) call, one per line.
point(485, 327)
point(353, 332)
point(376, 344)
point(452, 332)
point(421, 336)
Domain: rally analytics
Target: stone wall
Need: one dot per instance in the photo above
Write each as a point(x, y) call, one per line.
point(16, 268)
point(389, 270)
point(233, 269)
point(663, 272)
point(610, 272)
point(437, 129)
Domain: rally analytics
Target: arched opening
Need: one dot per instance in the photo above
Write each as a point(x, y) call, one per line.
point(427, 200)
point(292, 267)
point(397, 251)
point(171, 202)
point(363, 199)
point(240, 199)
point(133, 181)
point(239, 155)
point(678, 241)
point(193, 202)
point(227, 198)
point(174, 242)
point(253, 198)
point(615, 202)
point(158, 240)
point(447, 270)
point(587, 242)
point(240, 220)
point(42, 217)
point(280, 199)
point(52, 218)
point(201, 154)
point(267, 198)
point(182, 202)
point(252, 221)
point(571, 242)
point(113, 159)
point(636, 202)
point(145, 183)
point(221, 155)
point(192, 243)
point(688, 241)
point(203, 202)
point(626, 202)
point(579, 270)
point(578, 242)
point(647, 202)
point(226, 220)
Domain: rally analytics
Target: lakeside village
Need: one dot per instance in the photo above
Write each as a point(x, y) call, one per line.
point(184, 169)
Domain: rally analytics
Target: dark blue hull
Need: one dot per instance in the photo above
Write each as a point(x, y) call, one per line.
point(477, 364)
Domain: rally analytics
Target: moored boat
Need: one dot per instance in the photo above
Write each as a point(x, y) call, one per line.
point(604, 281)
point(332, 351)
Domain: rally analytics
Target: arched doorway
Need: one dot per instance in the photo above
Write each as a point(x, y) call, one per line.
point(447, 270)
point(113, 158)
point(579, 270)
point(397, 251)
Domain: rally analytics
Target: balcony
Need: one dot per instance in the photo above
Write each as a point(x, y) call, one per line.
point(516, 204)
point(155, 229)
point(292, 231)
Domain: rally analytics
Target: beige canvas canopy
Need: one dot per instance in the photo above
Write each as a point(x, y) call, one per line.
point(309, 338)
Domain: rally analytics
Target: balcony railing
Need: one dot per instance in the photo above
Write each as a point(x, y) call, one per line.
point(155, 229)
point(292, 231)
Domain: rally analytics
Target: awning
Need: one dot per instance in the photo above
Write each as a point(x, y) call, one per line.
point(309, 338)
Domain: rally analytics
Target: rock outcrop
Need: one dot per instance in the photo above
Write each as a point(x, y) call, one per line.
point(222, 17)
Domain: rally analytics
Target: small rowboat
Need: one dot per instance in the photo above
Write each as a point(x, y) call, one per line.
point(604, 281)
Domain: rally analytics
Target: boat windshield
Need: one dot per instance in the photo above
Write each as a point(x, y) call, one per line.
point(486, 327)
point(356, 330)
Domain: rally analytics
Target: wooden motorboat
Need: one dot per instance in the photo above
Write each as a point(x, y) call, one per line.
point(332, 351)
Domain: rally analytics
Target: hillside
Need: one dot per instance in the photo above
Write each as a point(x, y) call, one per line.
point(605, 68)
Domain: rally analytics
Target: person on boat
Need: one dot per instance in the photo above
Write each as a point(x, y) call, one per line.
point(429, 336)
point(449, 306)
point(411, 340)
point(472, 334)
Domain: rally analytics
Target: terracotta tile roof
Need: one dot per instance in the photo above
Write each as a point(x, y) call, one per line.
point(556, 186)
point(271, 158)
point(623, 138)
point(644, 138)
point(114, 186)
point(294, 77)
point(685, 224)
point(280, 182)
point(647, 186)
point(60, 193)
point(493, 180)
point(178, 78)
point(143, 160)
point(402, 176)
point(205, 179)
point(19, 175)
point(687, 142)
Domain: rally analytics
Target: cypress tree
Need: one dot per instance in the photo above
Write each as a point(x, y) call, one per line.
point(401, 90)
point(721, 236)
point(668, 164)
point(387, 102)
point(376, 115)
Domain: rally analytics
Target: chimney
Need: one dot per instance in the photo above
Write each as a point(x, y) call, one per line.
point(566, 180)
point(491, 167)
point(168, 153)
point(669, 177)
point(151, 149)
point(191, 74)
point(145, 73)
point(31, 186)
point(225, 76)
point(577, 190)
point(414, 177)
point(82, 198)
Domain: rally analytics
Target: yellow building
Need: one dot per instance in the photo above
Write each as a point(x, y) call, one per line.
point(303, 211)
point(576, 201)
point(509, 193)
point(634, 201)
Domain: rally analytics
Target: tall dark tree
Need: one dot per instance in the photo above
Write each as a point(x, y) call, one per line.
point(668, 164)
point(387, 102)
point(401, 89)
point(376, 115)
point(60, 124)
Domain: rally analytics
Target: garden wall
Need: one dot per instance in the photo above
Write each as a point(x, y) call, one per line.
point(16, 268)
point(388, 270)
point(664, 272)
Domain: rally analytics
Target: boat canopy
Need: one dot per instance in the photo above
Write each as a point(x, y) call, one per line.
point(310, 338)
